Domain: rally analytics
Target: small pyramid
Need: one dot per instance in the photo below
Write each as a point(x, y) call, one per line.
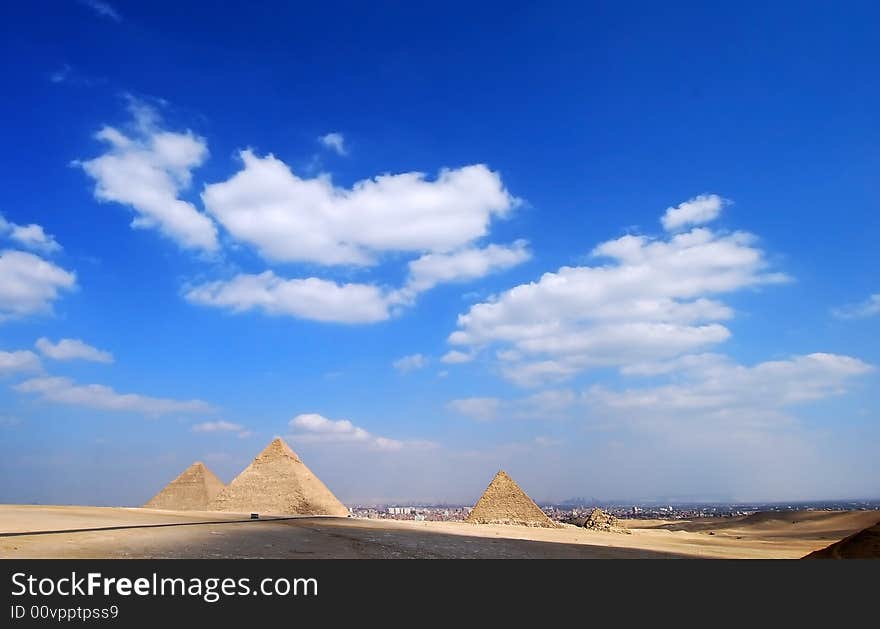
point(504, 502)
point(278, 482)
point(191, 491)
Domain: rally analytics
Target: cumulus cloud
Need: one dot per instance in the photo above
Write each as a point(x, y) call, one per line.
point(97, 396)
point(310, 298)
point(291, 219)
point(454, 356)
point(147, 170)
point(868, 308)
point(72, 349)
point(33, 237)
point(470, 263)
point(29, 284)
point(30, 236)
point(697, 211)
point(653, 300)
point(714, 394)
point(324, 300)
point(334, 141)
point(315, 428)
point(405, 364)
point(18, 362)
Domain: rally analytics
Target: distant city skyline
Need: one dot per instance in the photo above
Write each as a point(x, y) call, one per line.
point(624, 253)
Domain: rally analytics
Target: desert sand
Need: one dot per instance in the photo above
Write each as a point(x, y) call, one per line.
point(94, 532)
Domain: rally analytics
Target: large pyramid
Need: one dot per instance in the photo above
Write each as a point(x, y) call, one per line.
point(504, 502)
point(278, 482)
point(191, 491)
point(862, 545)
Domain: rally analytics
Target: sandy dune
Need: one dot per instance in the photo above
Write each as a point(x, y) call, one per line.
point(43, 531)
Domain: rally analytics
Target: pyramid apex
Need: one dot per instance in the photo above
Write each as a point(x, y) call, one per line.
point(193, 488)
point(278, 482)
point(277, 448)
point(504, 502)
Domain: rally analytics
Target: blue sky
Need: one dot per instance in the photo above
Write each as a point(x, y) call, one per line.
point(621, 252)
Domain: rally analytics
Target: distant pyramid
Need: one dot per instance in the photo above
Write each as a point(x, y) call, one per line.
point(278, 482)
point(191, 491)
point(504, 502)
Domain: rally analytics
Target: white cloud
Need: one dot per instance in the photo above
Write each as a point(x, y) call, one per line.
point(290, 219)
point(147, 171)
point(29, 236)
point(409, 363)
point(72, 349)
point(454, 356)
point(65, 391)
point(18, 362)
point(325, 300)
point(217, 426)
point(29, 284)
point(868, 308)
point(471, 263)
point(315, 428)
point(33, 237)
point(310, 298)
point(221, 426)
point(654, 300)
point(688, 363)
point(104, 9)
point(714, 393)
point(479, 408)
point(334, 141)
point(697, 211)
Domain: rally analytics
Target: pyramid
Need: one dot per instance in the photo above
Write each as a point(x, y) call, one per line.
point(862, 545)
point(191, 491)
point(504, 502)
point(278, 482)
